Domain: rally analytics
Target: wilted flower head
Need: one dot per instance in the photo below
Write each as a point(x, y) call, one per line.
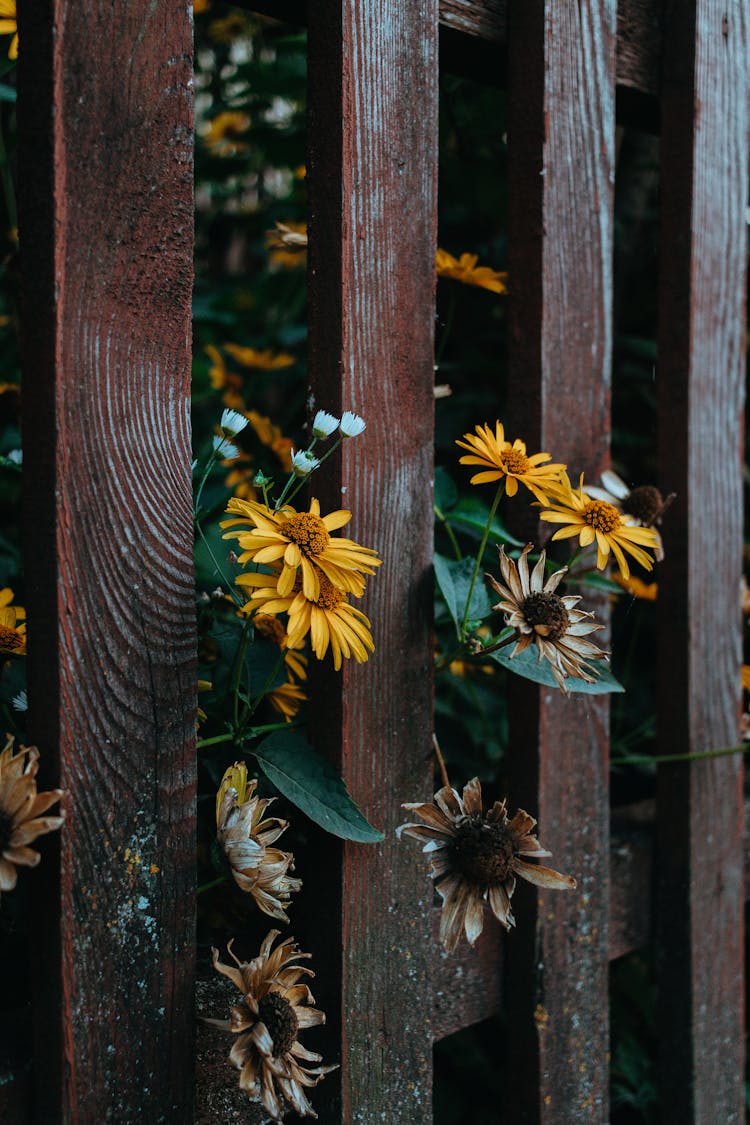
point(476, 857)
point(21, 811)
point(273, 1010)
point(542, 617)
point(232, 422)
point(324, 424)
point(245, 836)
point(351, 424)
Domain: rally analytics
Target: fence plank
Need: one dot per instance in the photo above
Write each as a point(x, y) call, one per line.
point(372, 182)
point(561, 171)
point(105, 163)
point(701, 392)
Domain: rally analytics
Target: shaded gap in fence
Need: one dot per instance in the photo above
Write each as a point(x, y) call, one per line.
point(105, 162)
point(704, 159)
point(561, 175)
point(372, 186)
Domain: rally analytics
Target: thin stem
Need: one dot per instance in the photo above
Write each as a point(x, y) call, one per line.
point(253, 707)
point(238, 670)
point(666, 759)
point(215, 740)
point(214, 883)
point(214, 560)
point(441, 762)
point(480, 555)
point(448, 531)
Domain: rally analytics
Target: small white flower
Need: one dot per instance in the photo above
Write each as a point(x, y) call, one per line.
point(20, 702)
point(351, 424)
point(232, 422)
point(303, 463)
point(16, 456)
point(324, 424)
point(228, 451)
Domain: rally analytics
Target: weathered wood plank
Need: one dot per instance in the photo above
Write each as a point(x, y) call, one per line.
point(701, 394)
point(105, 164)
point(372, 181)
point(560, 227)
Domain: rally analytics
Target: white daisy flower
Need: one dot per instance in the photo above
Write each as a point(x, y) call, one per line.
point(324, 424)
point(351, 424)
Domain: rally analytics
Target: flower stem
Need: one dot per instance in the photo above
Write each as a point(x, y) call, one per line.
point(214, 883)
point(240, 662)
point(666, 759)
point(442, 519)
point(441, 762)
point(480, 556)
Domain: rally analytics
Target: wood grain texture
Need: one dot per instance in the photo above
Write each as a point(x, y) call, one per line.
point(561, 173)
point(372, 166)
point(701, 395)
point(105, 164)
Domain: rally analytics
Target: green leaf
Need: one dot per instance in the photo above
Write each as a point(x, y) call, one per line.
point(312, 784)
point(454, 577)
point(527, 665)
point(446, 493)
point(7, 93)
point(471, 514)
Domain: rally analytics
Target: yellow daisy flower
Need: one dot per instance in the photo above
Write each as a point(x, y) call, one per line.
point(12, 625)
point(465, 269)
point(224, 132)
point(503, 459)
point(596, 521)
point(330, 620)
point(8, 25)
point(303, 541)
point(644, 591)
point(265, 360)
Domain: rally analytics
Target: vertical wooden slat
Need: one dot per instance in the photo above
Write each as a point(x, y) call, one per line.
point(105, 168)
point(561, 171)
point(701, 394)
point(372, 182)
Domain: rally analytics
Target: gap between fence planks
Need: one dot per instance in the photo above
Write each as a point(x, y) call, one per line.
point(105, 174)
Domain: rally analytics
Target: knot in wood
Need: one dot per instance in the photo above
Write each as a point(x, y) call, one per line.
point(281, 1020)
point(546, 614)
point(482, 852)
point(307, 531)
point(601, 516)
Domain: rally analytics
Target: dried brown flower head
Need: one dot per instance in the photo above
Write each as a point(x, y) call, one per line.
point(245, 836)
point(542, 617)
point(274, 1009)
point(476, 857)
point(21, 811)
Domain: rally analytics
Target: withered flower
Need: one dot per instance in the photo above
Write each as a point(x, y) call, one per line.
point(21, 811)
point(245, 836)
point(475, 859)
point(542, 617)
point(275, 1007)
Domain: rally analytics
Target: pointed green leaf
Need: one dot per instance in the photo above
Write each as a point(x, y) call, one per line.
point(313, 785)
point(526, 664)
point(454, 577)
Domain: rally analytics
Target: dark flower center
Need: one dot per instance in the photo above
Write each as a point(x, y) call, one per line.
point(601, 516)
point(546, 614)
point(10, 640)
point(514, 461)
point(279, 1017)
point(645, 503)
point(482, 852)
point(307, 531)
point(329, 597)
point(6, 831)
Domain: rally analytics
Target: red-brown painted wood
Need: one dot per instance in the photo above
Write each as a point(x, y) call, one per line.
point(561, 172)
point(704, 157)
point(372, 181)
point(105, 168)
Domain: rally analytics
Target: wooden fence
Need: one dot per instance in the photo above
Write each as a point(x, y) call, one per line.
point(105, 179)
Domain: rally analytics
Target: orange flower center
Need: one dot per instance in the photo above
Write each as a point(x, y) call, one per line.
point(514, 461)
point(482, 852)
point(270, 627)
point(281, 1020)
point(330, 597)
point(307, 531)
point(10, 640)
point(601, 516)
point(547, 615)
